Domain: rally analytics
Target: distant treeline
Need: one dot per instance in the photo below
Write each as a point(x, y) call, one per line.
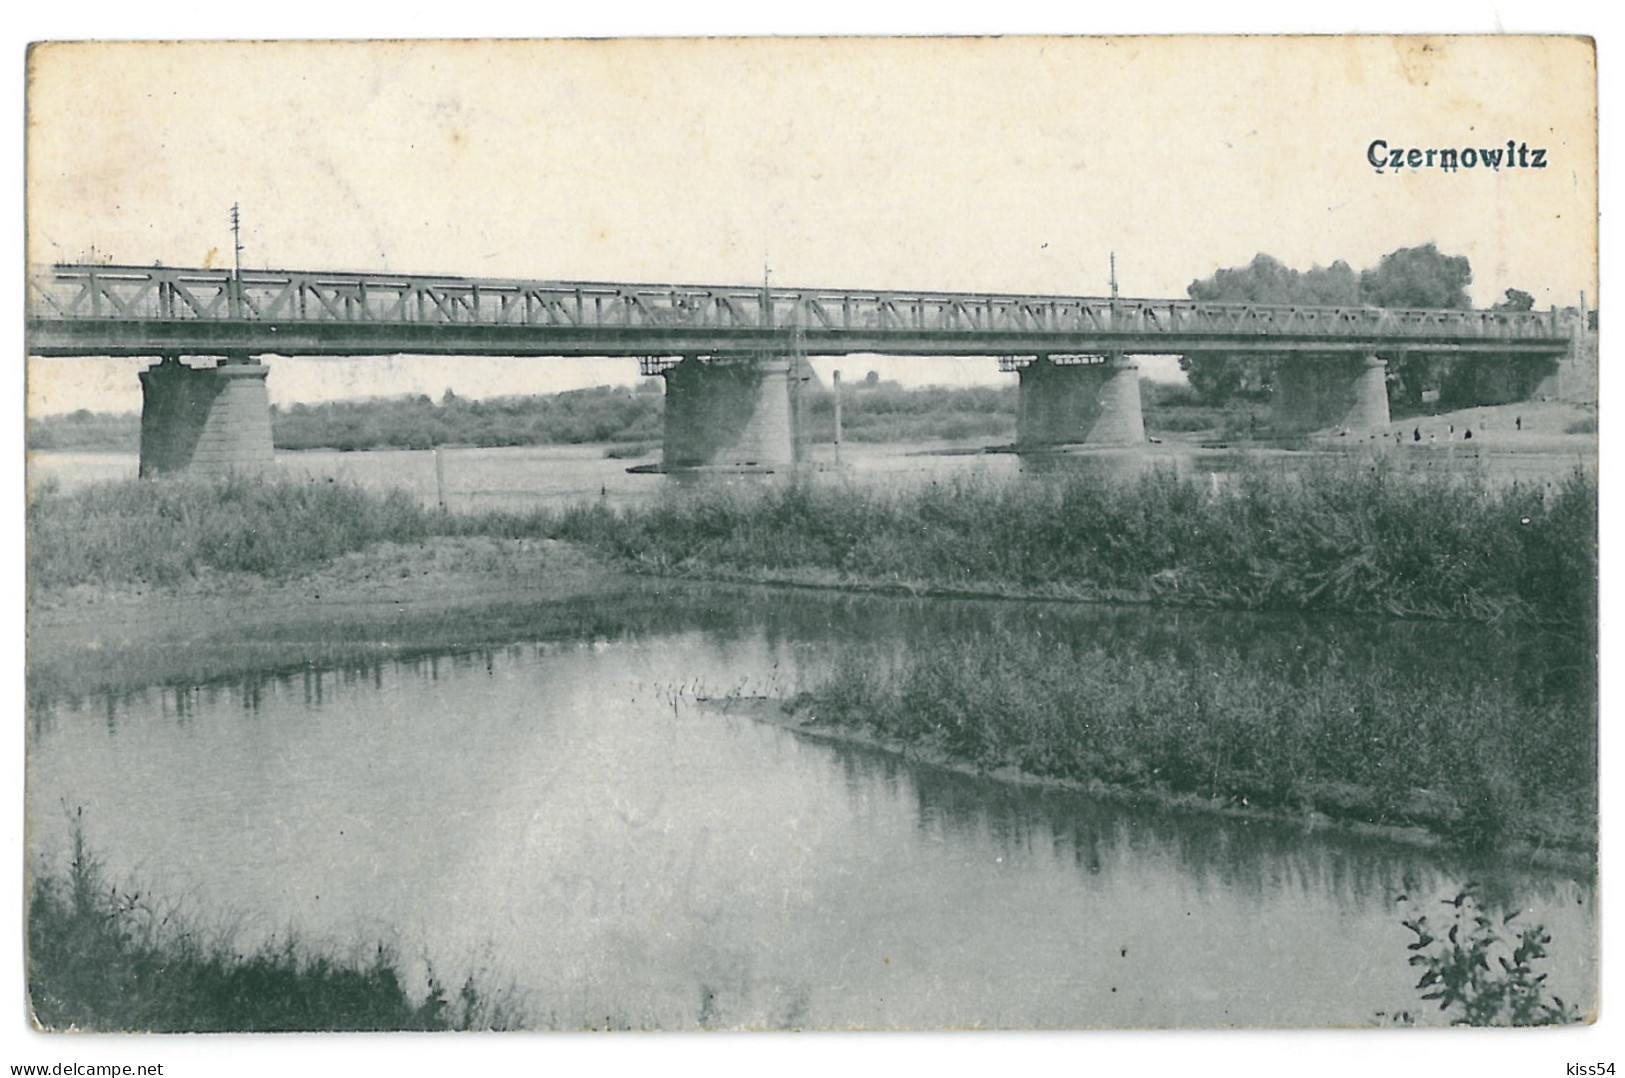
point(85, 431)
point(870, 412)
point(602, 414)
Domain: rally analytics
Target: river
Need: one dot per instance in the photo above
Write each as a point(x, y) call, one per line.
point(523, 477)
point(566, 817)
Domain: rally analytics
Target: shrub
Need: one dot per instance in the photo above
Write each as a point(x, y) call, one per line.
point(1458, 974)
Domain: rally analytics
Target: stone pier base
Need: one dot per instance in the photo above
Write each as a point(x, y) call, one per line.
point(1090, 404)
point(1315, 393)
point(204, 421)
point(738, 413)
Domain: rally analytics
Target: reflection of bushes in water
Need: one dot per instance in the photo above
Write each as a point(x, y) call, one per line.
point(1253, 857)
point(1471, 758)
point(1339, 537)
point(102, 958)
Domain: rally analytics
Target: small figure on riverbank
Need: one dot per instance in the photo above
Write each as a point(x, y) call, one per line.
point(1518, 423)
point(1416, 435)
point(1468, 436)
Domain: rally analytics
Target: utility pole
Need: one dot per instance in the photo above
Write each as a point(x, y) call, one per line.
point(235, 294)
point(767, 294)
point(236, 243)
point(1114, 275)
point(837, 383)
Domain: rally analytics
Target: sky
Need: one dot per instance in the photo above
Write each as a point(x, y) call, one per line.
point(981, 164)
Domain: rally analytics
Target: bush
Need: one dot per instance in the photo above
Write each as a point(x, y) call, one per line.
point(1457, 972)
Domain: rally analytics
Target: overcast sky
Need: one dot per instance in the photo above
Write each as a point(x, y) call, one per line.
point(975, 164)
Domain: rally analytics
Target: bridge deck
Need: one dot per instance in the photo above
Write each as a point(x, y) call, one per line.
point(133, 310)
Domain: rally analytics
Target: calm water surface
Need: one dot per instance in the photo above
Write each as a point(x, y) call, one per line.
point(565, 818)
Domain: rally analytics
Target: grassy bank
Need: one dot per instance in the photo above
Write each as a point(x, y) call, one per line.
point(166, 533)
point(1474, 760)
point(1346, 537)
point(105, 959)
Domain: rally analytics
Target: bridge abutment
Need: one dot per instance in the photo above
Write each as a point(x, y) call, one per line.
point(1090, 404)
point(205, 420)
point(1315, 393)
point(733, 413)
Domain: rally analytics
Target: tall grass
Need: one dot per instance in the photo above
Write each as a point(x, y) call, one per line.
point(1475, 760)
point(108, 959)
point(164, 533)
point(1340, 537)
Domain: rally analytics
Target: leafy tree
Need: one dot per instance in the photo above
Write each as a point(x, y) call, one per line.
point(1216, 377)
point(1219, 377)
point(1418, 277)
point(1268, 280)
point(1517, 300)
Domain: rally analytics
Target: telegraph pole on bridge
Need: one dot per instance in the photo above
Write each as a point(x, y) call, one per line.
point(236, 294)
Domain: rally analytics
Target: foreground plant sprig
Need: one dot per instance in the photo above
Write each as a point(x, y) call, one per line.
point(104, 958)
point(1482, 977)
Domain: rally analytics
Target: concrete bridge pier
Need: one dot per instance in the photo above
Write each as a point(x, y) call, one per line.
point(1071, 403)
point(1314, 393)
point(205, 420)
point(734, 412)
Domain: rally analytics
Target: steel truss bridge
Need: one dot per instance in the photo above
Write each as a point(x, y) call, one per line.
point(104, 310)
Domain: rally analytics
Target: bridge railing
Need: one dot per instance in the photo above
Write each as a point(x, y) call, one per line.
point(134, 293)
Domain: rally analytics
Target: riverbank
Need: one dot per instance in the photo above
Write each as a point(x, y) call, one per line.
point(137, 585)
point(388, 601)
point(133, 584)
point(1419, 818)
point(1352, 535)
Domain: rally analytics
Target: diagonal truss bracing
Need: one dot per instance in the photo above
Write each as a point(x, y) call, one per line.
point(94, 309)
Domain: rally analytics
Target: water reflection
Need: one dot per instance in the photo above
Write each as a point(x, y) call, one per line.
point(561, 814)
